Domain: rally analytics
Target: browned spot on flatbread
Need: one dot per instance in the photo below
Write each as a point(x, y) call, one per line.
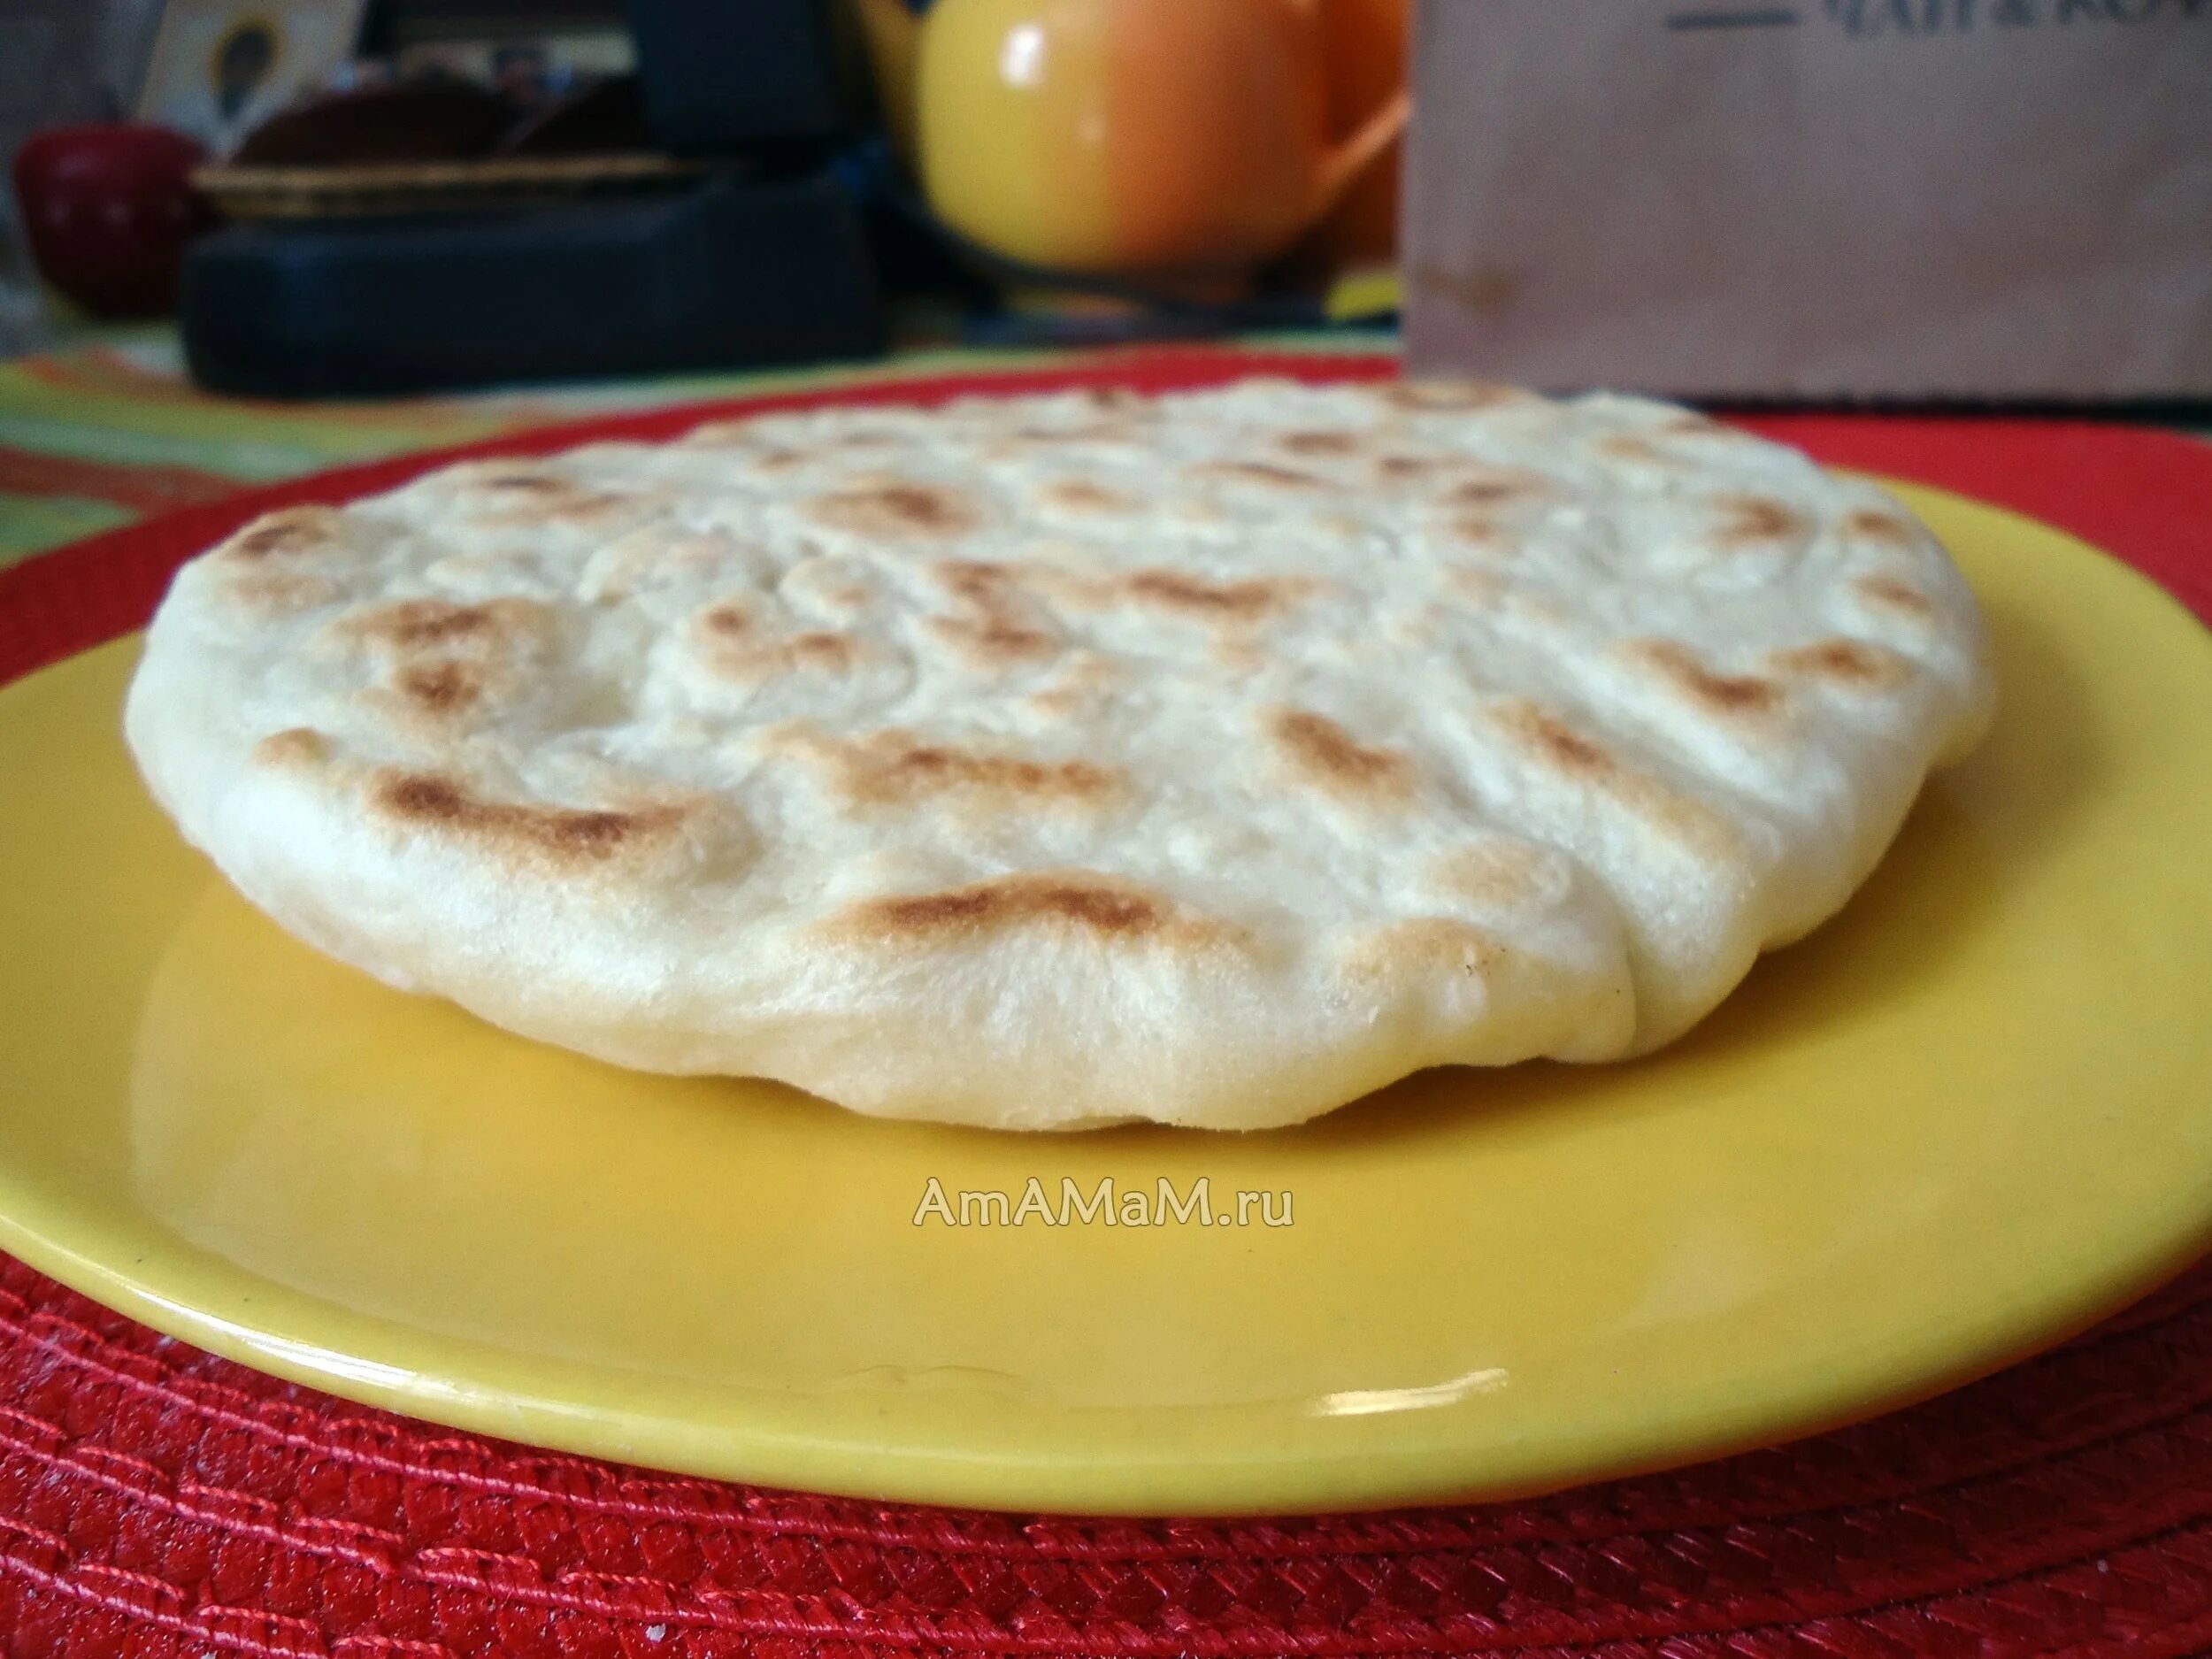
point(1076, 902)
point(1484, 535)
point(439, 659)
point(442, 688)
point(533, 496)
point(1319, 443)
point(735, 648)
point(896, 768)
point(1450, 395)
point(898, 511)
point(1757, 520)
point(1407, 466)
point(820, 648)
point(1424, 946)
point(1322, 752)
point(1083, 681)
point(1627, 446)
point(1871, 524)
point(1262, 472)
point(566, 835)
point(1504, 874)
point(1689, 424)
point(988, 642)
point(1101, 909)
point(410, 625)
point(1852, 665)
point(1490, 487)
point(273, 593)
point(278, 534)
point(997, 626)
point(1893, 593)
point(1079, 495)
point(1551, 745)
point(1729, 696)
point(1538, 733)
point(295, 745)
point(436, 660)
point(1194, 596)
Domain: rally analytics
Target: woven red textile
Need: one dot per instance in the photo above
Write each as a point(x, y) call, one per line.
point(156, 1502)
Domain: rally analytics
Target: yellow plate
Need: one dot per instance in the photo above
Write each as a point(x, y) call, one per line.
point(1964, 1118)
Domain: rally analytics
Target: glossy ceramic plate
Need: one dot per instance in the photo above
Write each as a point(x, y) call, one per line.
point(1967, 1117)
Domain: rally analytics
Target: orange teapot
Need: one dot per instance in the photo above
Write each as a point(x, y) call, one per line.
point(1181, 139)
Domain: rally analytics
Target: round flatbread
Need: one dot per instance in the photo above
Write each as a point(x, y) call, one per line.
point(1038, 761)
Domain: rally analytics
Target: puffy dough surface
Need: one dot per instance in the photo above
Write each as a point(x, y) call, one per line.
point(1038, 761)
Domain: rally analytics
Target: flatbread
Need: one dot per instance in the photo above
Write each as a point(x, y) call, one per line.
point(1211, 759)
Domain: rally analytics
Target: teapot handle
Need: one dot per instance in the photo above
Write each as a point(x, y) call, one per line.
point(1351, 157)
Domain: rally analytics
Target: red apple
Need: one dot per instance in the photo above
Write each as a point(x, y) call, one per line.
point(108, 211)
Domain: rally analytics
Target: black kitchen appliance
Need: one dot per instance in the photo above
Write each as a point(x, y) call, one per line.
point(749, 247)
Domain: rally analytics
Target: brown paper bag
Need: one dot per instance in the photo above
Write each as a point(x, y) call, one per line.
point(1893, 198)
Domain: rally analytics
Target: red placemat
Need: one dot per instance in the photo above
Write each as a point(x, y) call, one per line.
point(155, 1500)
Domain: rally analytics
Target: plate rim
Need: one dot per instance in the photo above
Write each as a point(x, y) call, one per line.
point(2098, 1293)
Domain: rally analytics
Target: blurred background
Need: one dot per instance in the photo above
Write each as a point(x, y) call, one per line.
point(372, 196)
point(1825, 200)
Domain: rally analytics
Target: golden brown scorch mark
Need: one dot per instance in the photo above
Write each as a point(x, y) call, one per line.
point(1425, 946)
point(1319, 443)
point(1324, 753)
point(1085, 679)
point(1871, 524)
point(994, 628)
point(1194, 596)
point(1502, 873)
point(430, 800)
point(272, 593)
point(442, 688)
point(1551, 744)
point(1078, 495)
point(1539, 733)
point(1756, 520)
point(1728, 695)
point(898, 511)
point(736, 649)
point(1890, 593)
point(1265, 472)
point(528, 496)
point(898, 768)
point(1496, 487)
point(1076, 902)
point(293, 530)
point(413, 624)
point(1484, 537)
point(1854, 664)
point(295, 745)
